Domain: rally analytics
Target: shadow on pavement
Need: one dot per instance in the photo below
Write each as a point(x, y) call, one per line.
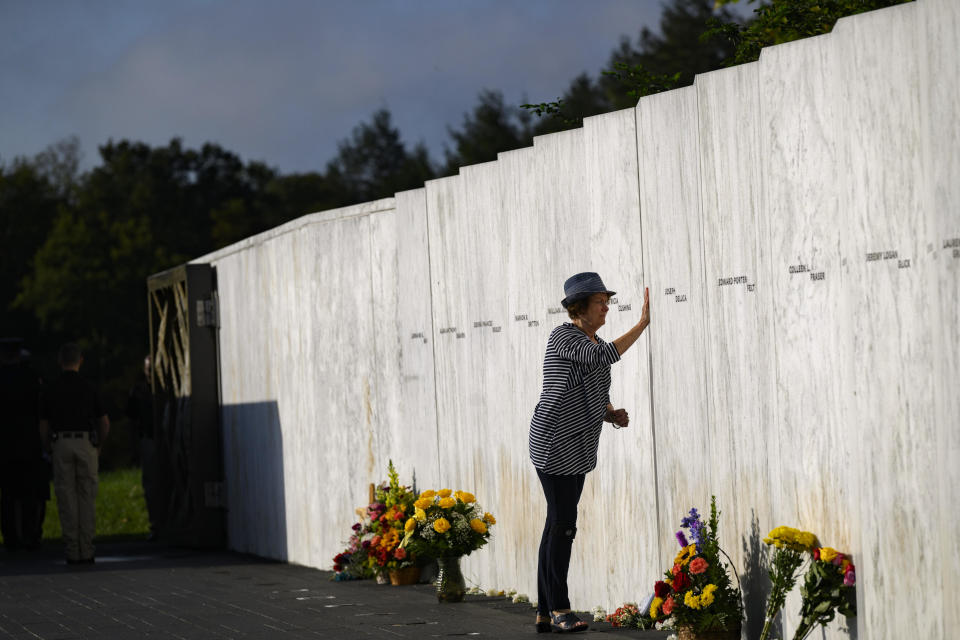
point(126, 556)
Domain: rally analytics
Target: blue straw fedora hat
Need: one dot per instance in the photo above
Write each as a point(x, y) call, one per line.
point(583, 285)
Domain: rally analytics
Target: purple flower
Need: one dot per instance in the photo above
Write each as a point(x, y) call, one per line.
point(365, 544)
point(694, 517)
point(681, 539)
point(695, 525)
point(356, 526)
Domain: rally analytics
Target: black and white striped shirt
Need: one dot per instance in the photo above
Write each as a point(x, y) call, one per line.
point(566, 425)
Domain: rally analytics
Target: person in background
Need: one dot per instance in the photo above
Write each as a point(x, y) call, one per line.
point(140, 413)
point(24, 474)
point(74, 425)
point(565, 431)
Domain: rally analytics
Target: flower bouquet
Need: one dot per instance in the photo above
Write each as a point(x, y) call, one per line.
point(696, 595)
point(828, 587)
point(447, 525)
point(630, 616)
point(790, 544)
point(374, 547)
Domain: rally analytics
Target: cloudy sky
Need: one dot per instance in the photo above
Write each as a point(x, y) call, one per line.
point(284, 81)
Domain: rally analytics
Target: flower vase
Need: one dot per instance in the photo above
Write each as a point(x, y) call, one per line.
point(405, 576)
point(450, 583)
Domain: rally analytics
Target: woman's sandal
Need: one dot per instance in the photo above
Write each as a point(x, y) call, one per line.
point(567, 623)
point(543, 624)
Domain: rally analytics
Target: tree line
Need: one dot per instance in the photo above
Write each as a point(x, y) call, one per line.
point(78, 246)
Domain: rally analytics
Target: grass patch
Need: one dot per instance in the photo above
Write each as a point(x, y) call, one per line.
point(121, 509)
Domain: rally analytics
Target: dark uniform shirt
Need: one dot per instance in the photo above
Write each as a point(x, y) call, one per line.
point(71, 404)
point(19, 402)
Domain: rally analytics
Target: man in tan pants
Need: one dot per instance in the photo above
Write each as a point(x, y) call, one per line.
point(73, 425)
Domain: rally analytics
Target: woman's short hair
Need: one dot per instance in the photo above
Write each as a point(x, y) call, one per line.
point(578, 307)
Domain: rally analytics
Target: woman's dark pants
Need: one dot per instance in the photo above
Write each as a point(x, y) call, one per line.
point(562, 494)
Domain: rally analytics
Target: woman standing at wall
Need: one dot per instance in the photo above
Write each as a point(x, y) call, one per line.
point(565, 431)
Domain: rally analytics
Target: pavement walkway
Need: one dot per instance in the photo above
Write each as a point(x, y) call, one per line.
point(144, 590)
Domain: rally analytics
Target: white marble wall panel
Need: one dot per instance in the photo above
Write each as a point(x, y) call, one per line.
point(669, 170)
point(803, 178)
point(404, 409)
point(738, 320)
point(623, 480)
point(531, 292)
point(469, 237)
point(252, 433)
point(893, 405)
point(939, 32)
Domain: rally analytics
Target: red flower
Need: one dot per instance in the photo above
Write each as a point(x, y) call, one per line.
point(400, 553)
point(676, 569)
point(680, 582)
point(816, 554)
point(698, 566)
point(668, 605)
point(661, 589)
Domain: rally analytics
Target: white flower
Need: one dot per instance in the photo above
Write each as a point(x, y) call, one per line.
point(599, 614)
point(521, 597)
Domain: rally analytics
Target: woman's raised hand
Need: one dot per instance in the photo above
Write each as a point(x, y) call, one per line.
point(645, 313)
point(625, 341)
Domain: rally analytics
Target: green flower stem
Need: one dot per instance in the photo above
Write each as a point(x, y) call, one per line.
point(783, 574)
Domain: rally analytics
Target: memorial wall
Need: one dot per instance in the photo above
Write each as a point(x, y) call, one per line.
point(797, 222)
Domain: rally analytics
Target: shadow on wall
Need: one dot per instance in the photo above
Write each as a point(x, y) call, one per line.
point(253, 478)
point(756, 583)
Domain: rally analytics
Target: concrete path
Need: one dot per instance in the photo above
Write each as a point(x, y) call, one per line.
point(141, 590)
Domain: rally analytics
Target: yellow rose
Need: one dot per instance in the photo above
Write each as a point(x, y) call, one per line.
point(423, 503)
point(478, 526)
point(446, 503)
point(465, 497)
point(410, 525)
point(489, 519)
point(428, 494)
point(420, 514)
point(441, 525)
point(655, 607)
point(444, 493)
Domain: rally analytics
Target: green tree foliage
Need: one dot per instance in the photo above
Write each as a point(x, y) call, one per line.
point(779, 21)
point(659, 61)
point(374, 163)
point(493, 126)
point(683, 47)
point(32, 191)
